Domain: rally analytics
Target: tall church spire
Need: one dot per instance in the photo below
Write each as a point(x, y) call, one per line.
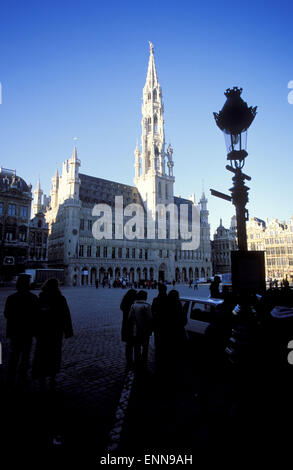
point(153, 182)
point(153, 136)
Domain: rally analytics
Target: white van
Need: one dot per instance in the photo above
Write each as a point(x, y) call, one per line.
point(200, 313)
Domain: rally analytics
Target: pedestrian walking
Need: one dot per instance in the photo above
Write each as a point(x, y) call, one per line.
point(140, 325)
point(54, 323)
point(195, 287)
point(97, 283)
point(21, 311)
point(126, 335)
point(214, 288)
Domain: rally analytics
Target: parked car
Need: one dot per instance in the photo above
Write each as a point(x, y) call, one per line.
point(200, 312)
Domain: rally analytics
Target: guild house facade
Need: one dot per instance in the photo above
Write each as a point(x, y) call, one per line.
point(74, 195)
point(15, 209)
point(276, 240)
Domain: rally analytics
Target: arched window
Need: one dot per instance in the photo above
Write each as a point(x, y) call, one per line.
point(166, 190)
point(156, 158)
point(149, 124)
point(160, 189)
point(149, 96)
point(148, 161)
point(155, 123)
point(155, 95)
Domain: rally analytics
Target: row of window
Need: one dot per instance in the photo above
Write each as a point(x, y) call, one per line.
point(222, 246)
point(188, 254)
point(102, 252)
point(38, 253)
point(11, 233)
point(89, 224)
point(282, 250)
point(140, 232)
point(272, 241)
point(279, 261)
point(14, 210)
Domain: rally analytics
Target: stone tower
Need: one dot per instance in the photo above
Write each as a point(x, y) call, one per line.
point(154, 183)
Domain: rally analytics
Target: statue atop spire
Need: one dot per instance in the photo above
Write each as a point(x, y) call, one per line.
point(151, 47)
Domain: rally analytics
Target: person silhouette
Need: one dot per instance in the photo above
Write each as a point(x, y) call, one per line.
point(214, 288)
point(174, 328)
point(21, 311)
point(140, 327)
point(126, 337)
point(54, 323)
point(159, 311)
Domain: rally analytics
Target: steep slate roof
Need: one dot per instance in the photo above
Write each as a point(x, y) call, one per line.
point(98, 190)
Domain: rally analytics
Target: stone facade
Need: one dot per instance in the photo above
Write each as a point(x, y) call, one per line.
point(224, 242)
point(74, 195)
point(38, 242)
point(15, 209)
point(276, 240)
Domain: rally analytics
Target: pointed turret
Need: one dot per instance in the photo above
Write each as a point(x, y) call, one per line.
point(203, 202)
point(152, 77)
point(73, 180)
point(74, 154)
point(54, 190)
point(38, 199)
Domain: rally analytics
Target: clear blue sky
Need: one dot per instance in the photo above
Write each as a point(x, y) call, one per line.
point(77, 68)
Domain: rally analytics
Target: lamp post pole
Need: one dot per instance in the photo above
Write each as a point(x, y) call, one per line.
point(239, 193)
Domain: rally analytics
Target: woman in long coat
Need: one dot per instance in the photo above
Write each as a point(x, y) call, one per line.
point(126, 337)
point(173, 331)
point(54, 323)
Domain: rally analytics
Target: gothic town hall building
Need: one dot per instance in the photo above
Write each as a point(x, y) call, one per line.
point(73, 195)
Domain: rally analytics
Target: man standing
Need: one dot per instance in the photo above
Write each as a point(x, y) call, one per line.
point(21, 310)
point(140, 324)
point(159, 312)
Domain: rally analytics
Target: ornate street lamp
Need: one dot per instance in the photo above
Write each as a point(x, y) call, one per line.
point(234, 120)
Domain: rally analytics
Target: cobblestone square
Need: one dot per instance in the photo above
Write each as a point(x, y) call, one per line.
point(92, 377)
